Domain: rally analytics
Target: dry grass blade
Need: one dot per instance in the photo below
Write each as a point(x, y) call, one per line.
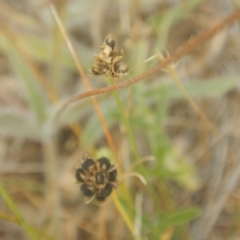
point(40, 77)
point(214, 208)
point(171, 69)
point(99, 113)
point(86, 83)
point(49, 90)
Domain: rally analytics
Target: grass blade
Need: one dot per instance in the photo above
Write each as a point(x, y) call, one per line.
point(31, 86)
point(18, 124)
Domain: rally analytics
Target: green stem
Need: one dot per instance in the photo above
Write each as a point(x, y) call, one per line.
point(127, 124)
point(16, 212)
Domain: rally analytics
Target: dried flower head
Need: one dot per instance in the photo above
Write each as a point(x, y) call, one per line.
point(97, 178)
point(107, 62)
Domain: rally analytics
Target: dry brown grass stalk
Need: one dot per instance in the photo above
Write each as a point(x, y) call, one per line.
point(87, 85)
point(191, 45)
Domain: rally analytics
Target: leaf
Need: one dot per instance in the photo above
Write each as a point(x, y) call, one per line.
point(177, 219)
point(39, 48)
point(72, 113)
point(163, 20)
point(208, 89)
point(28, 81)
point(6, 197)
point(93, 130)
point(182, 170)
point(18, 124)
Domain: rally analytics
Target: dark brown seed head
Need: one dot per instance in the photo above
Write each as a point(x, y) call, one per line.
point(105, 192)
point(100, 199)
point(104, 163)
point(112, 176)
point(95, 71)
point(107, 62)
point(79, 175)
point(97, 178)
point(110, 41)
point(106, 51)
point(116, 67)
point(100, 178)
point(88, 164)
point(104, 68)
point(87, 191)
point(117, 58)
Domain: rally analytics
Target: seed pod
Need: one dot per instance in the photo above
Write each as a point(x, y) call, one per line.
point(112, 176)
point(100, 180)
point(100, 68)
point(87, 191)
point(110, 41)
point(97, 178)
point(116, 67)
point(106, 51)
point(80, 175)
point(117, 57)
point(95, 71)
point(104, 163)
point(107, 62)
point(88, 164)
point(104, 193)
point(100, 199)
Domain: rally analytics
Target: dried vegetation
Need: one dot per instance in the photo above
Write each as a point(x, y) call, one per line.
point(178, 130)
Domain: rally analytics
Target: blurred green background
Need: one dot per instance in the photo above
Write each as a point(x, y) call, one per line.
point(174, 137)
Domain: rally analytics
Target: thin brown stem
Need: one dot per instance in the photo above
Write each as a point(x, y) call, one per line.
point(87, 85)
point(191, 45)
point(51, 93)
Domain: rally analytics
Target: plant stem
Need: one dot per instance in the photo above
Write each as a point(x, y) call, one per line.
point(126, 122)
point(16, 212)
point(52, 207)
point(188, 47)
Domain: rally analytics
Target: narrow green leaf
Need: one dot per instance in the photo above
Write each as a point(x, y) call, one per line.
point(18, 124)
point(93, 130)
point(16, 212)
point(179, 218)
point(205, 89)
point(30, 84)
